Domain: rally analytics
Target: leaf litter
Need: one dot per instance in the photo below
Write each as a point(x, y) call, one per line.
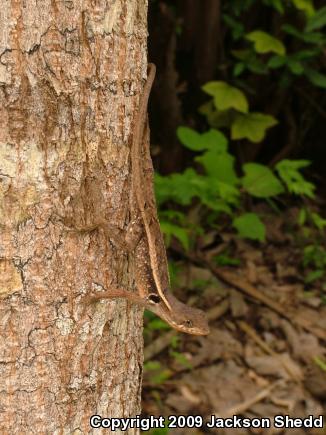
point(256, 362)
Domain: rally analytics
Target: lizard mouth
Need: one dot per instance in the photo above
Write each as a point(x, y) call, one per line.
point(154, 298)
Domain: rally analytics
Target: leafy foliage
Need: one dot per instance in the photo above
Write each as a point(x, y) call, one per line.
point(231, 109)
point(250, 226)
point(265, 43)
point(288, 53)
point(260, 181)
point(216, 186)
point(251, 126)
point(226, 96)
point(288, 171)
point(314, 257)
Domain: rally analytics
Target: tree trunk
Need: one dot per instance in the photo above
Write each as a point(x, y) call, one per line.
point(71, 74)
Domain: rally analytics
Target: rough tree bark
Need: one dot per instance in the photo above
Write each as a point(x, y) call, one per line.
point(71, 73)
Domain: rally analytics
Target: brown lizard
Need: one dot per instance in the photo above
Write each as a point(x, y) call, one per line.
point(152, 276)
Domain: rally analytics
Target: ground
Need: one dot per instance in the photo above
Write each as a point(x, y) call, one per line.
point(265, 355)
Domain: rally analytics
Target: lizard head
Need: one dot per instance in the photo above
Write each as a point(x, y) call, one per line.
point(181, 317)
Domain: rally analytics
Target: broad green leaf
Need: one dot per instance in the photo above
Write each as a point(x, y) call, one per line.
point(305, 6)
point(215, 140)
point(251, 126)
point(210, 140)
point(219, 166)
point(226, 96)
point(180, 187)
point(317, 21)
point(316, 78)
point(260, 181)
point(250, 226)
point(190, 138)
point(266, 43)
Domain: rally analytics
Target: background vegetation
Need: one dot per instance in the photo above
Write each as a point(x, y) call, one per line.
point(238, 114)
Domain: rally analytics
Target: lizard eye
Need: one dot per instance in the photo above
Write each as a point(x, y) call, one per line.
point(154, 298)
point(188, 323)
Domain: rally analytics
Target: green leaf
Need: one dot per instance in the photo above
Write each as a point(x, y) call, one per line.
point(219, 166)
point(317, 21)
point(178, 187)
point(305, 6)
point(318, 221)
point(190, 138)
point(218, 205)
point(316, 78)
point(210, 140)
point(215, 140)
point(288, 171)
point(295, 66)
point(238, 69)
point(226, 96)
point(250, 226)
point(266, 43)
point(276, 4)
point(251, 126)
point(227, 192)
point(179, 233)
point(260, 181)
point(276, 62)
point(306, 54)
point(309, 37)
